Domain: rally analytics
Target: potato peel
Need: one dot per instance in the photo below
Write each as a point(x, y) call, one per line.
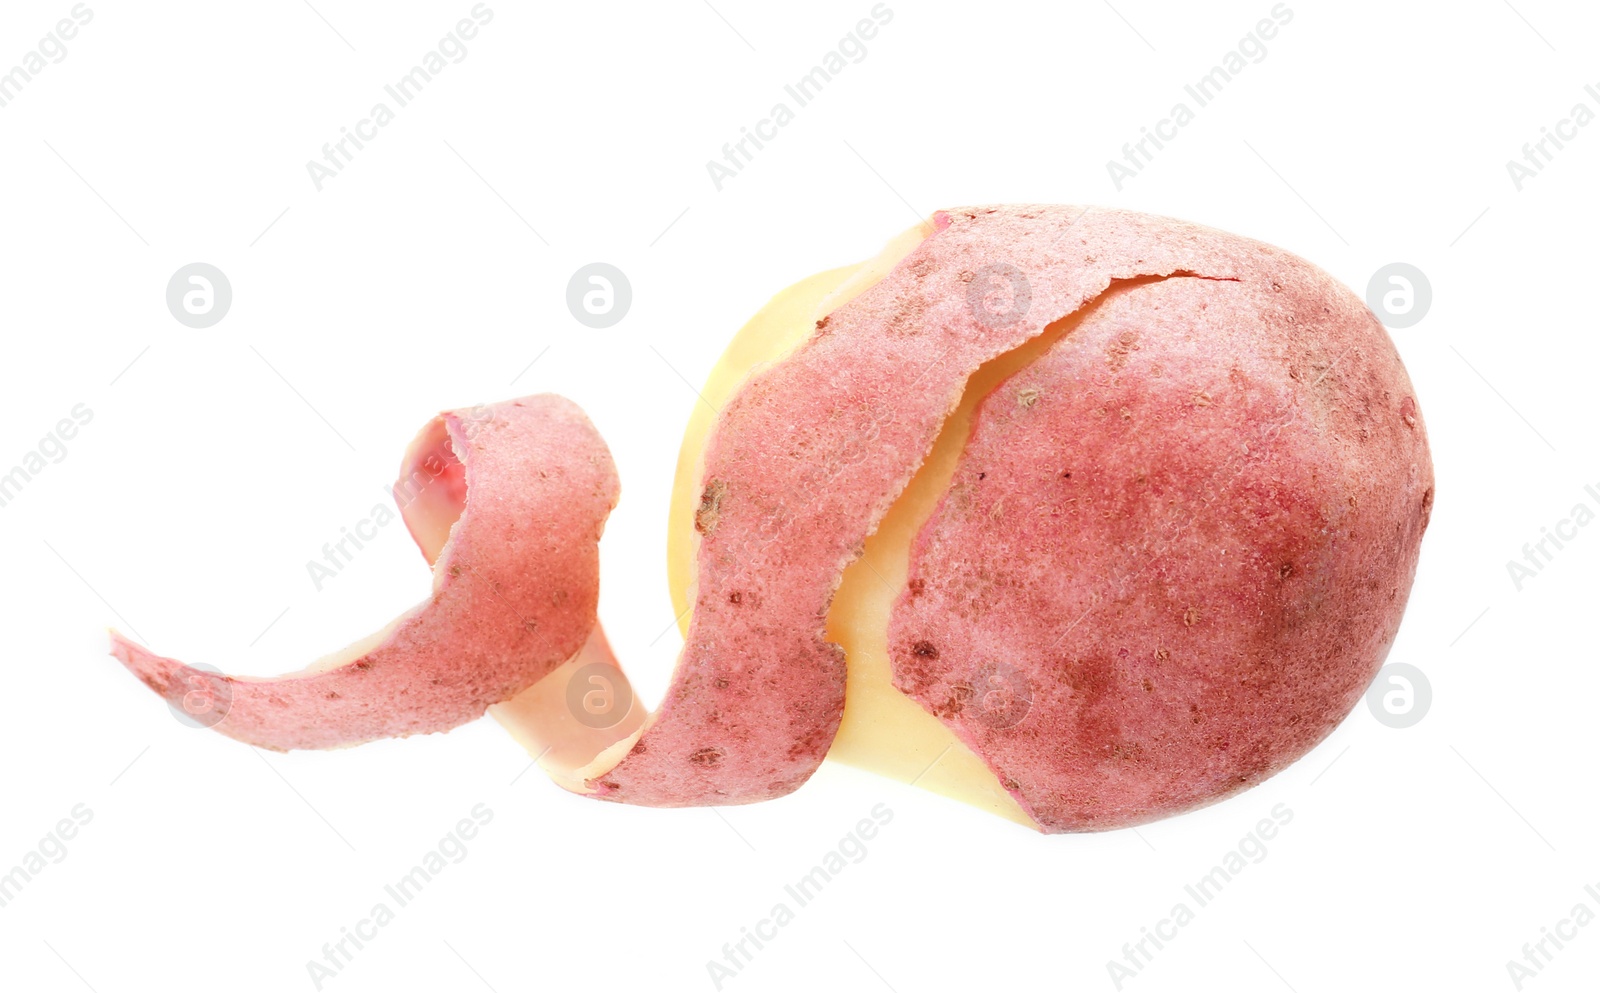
point(515, 587)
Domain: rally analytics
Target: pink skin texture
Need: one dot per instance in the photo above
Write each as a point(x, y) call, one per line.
point(1177, 547)
point(514, 592)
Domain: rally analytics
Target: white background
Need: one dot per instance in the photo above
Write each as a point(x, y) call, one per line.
point(432, 271)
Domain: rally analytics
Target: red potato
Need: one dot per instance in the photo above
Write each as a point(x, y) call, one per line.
point(1142, 502)
point(1210, 594)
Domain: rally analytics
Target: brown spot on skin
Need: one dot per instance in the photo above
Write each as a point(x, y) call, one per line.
point(1149, 687)
point(924, 649)
point(1124, 750)
point(1190, 616)
point(710, 510)
point(333, 696)
point(609, 784)
point(917, 586)
point(1027, 398)
point(822, 324)
point(818, 739)
point(1118, 352)
point(1162, 655)
point(1201, 399)
point(705, 758)
point(955, 703)
point(982, 476)
point(455, 571)
point(736, 597)
point(363, 665)
point(720, 683)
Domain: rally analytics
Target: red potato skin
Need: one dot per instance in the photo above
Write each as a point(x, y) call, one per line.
point(1177, 547)
point(514, 593)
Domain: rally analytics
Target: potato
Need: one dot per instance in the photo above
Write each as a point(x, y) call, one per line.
point(1082, 516)
point(1175, 547)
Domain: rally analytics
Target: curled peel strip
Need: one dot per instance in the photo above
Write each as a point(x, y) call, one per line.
point(516, 580)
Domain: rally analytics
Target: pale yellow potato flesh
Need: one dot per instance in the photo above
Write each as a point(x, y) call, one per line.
point(883, 730)
point(569, 751)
